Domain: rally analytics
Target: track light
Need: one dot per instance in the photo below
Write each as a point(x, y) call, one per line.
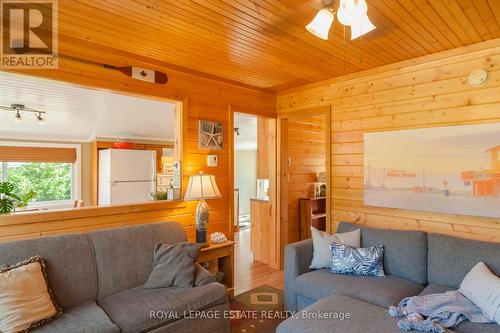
point(18, 118)
point(41, 119)
point(19, 109)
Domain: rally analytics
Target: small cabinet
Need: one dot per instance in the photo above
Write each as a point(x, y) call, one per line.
point(312, 213)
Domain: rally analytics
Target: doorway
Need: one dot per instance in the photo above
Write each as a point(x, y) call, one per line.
point(305, 174)
point(255, 201)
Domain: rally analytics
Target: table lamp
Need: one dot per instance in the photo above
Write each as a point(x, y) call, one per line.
point(201, 187)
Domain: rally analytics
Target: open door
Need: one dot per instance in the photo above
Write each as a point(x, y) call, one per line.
point(254, 179)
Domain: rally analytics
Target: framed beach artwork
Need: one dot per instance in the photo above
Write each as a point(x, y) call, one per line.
point(210, 135)
point(453, 169)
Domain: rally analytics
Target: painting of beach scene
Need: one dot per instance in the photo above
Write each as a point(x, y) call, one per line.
point(452, 169)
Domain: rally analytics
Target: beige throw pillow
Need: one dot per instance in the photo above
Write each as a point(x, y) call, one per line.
point(25, 299)
point(482, 287)
point(322, 256)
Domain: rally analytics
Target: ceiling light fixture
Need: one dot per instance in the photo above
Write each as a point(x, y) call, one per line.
point(362, 27)
point(19, 108)
point(41, 119)
point(352, 13)
point(18, 118)
point(321, 23)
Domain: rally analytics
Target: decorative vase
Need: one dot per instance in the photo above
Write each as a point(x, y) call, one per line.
point(202, 214)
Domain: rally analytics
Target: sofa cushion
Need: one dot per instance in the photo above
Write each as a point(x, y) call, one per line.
point(322, 257)
point(132, 309)
point(434, 289)
point(468, 327)
point(450, 258)
point(174, 265)
point(83, 318)
point(383, 291)
point(482, 287)
point(125, 255)
point(364, 317)
point(203, 276)
point(26, 299)
point(70, 261)
point(212, 325)
point(405, 252)
point(357, 261)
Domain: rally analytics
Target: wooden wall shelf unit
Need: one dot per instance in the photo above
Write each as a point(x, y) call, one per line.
point(312, 212)
point(220, 258)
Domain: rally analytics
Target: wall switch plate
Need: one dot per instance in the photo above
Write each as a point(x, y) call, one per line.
point(212, 160)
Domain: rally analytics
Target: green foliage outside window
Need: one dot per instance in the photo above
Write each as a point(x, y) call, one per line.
point(50, 181)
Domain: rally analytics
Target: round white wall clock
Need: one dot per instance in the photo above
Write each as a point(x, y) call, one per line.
point(478, 77)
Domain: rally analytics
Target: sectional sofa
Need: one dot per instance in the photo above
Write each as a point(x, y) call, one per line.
point(416, 263)
point(97, 279)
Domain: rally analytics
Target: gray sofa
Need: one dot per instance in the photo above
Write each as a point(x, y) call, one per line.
point(97, 279)
point(416, 263)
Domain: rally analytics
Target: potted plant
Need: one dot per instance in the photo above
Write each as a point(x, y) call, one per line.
point(9, 200)
point(159, 195)
point(25, 199)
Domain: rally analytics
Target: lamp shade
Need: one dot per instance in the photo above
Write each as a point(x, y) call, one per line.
point(361, 27)
point(351, 11)
point(321, 23)
point(201, 187)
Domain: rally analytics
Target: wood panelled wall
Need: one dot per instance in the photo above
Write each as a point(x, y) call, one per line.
point(204, 98)
point(266, 245)
point(425, 92)
point(306, 146)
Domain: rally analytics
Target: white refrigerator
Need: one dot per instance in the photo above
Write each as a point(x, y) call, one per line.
point(126, 175)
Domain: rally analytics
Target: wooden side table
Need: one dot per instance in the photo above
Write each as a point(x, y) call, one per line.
point(220, 258)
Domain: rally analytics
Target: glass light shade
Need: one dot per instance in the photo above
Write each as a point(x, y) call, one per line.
point(320, 25)
point(351, 11)
point(201, 187)
point(361, 27)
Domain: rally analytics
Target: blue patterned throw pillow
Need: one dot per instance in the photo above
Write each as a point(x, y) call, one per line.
point(350, 260)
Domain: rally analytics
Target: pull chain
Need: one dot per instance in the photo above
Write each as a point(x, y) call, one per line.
point(344, 50)
point(361, 49)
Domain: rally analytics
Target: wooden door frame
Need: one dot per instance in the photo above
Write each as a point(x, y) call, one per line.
point(275, 201)
point(283, 168)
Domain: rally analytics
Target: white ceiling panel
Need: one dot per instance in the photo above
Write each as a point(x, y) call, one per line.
point(77, 113)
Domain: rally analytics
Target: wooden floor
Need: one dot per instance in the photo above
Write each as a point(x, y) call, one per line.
point(250, 274)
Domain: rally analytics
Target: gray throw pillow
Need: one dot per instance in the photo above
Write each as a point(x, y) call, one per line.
point(203, 277)
point(174, 266)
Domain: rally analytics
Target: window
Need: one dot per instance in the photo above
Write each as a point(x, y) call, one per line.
point(52, 171)
point(50, 181)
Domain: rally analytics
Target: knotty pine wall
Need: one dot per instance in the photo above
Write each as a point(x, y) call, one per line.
point(307, 157)
point(424, 92)
point(204, 98)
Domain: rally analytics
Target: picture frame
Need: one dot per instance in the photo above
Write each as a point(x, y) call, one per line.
point(210, 135)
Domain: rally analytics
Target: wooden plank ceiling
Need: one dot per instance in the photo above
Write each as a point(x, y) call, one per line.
point(263, 43)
